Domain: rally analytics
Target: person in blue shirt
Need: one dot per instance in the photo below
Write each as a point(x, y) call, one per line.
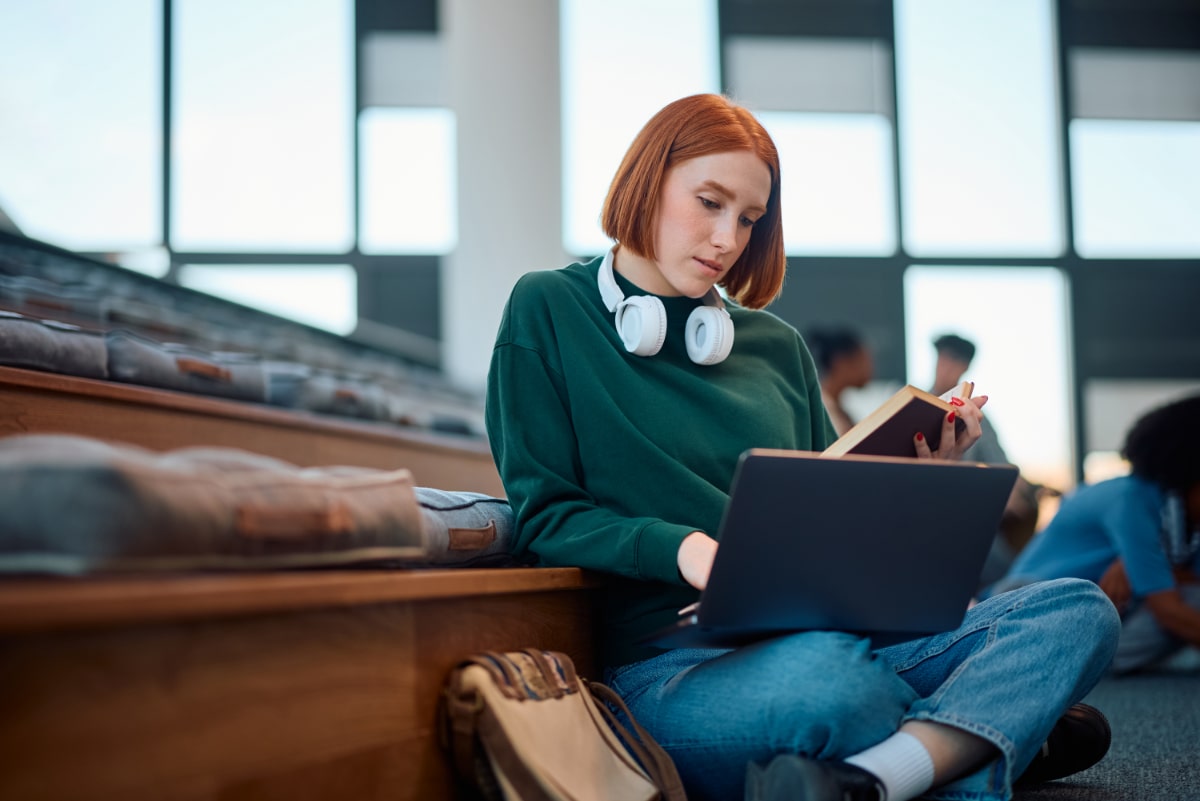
point(1137, 536)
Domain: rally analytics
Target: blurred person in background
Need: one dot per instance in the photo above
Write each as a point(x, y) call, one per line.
point(843, 362)
point(1137, 536)
point(954, 356)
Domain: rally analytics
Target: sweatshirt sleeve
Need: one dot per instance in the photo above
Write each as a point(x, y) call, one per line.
point(1133, 526)
point(529, 423)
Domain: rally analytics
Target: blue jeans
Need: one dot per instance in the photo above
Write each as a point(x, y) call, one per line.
point(1006, 674)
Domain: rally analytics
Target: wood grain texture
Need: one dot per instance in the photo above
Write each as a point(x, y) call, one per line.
point(35, 402)
point(65, 603)
point(318, 704)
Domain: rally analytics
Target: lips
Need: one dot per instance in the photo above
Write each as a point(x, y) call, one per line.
point(713, 267)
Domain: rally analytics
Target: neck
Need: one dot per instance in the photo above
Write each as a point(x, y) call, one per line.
point(642, 272)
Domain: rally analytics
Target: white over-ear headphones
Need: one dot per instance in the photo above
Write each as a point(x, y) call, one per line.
point(642, 321)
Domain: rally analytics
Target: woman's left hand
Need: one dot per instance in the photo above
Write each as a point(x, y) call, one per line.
point(954, 443)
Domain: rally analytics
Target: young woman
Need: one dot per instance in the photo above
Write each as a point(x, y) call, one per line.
point(622, 392)
point(1138, 536)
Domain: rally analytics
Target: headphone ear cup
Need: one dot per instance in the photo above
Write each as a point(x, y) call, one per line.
point(709, 335)
point(642, 323)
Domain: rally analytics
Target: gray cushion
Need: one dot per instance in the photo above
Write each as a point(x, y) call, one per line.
point(345, 396)
point(139, 360)
point(73, 504)
point(47, 345)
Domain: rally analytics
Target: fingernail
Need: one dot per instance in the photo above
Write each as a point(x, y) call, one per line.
point(956, 401)
point(950, 417)
point(920, 437)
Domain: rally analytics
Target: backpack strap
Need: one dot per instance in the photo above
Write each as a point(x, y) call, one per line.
point(656, 761)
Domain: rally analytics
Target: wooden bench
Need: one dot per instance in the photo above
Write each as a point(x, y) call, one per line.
point(296, 685)
point(290, 686)
point(36, 402)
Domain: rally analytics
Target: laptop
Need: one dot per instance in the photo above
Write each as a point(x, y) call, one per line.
point(890, 549)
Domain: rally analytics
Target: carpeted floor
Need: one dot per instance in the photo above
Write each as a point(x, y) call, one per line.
point(1155, 754)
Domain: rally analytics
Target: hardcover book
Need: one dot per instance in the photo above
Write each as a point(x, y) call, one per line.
point(889, 430)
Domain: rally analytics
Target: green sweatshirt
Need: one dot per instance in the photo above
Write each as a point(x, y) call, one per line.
point(610, 459)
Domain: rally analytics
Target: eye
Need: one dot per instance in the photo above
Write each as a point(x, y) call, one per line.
point(746, 222)
point(709, 204)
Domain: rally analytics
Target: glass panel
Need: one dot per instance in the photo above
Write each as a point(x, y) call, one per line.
point(1136, 188)
point(1023, 367)
point(838, 196)
point(407, 181)
point(1112, 408)
point(979, 136)
point(404, 70)
point(80, 89)
point(618, 68)
point(804, 74)
point(1109, 83)
point(264, 114)
point(325, 296)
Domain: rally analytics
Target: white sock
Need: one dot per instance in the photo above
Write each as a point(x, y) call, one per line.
point(901, 764)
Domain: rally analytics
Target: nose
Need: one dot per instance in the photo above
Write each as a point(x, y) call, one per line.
point(724, 235)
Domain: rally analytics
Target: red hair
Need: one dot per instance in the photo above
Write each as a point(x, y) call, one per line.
point(699, 125)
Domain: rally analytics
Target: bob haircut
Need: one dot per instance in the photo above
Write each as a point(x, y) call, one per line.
point(1162, 445)
point(699, 125)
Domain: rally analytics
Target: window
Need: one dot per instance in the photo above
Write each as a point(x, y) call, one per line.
point(264, 103)
point(407, 181)
point(978, 125)
point(1018, 320)
point(827, 103)
point(1112, 407)
point(325, 296)
point(618, 68)
point(838, 196)
point(1136, 188)
point(80, 83)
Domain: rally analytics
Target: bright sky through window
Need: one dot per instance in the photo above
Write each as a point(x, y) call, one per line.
point(1136, 188)
point(407, 181)
point(264, 95)
point(325, 296)
point(979, 137)
point(622, 60)
point(1018, 320)
point(838, 193)
point(80, 112)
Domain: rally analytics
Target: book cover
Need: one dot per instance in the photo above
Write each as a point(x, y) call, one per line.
point(889, 430)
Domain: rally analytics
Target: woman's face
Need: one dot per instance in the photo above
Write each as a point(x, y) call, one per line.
point(708, 207)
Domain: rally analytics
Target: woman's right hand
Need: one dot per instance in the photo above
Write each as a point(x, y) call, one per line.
point(696, 554)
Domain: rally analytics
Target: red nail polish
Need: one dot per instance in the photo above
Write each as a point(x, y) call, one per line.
point(920, 437)
point(950, 417)
point(956, 401)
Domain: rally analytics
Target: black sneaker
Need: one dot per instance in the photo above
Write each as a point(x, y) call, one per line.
point(797, 778)
point(1079, 739)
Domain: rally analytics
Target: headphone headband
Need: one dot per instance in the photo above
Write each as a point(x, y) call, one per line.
point(641, 320)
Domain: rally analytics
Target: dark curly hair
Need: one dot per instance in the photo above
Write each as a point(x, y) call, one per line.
point(1164, 444)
